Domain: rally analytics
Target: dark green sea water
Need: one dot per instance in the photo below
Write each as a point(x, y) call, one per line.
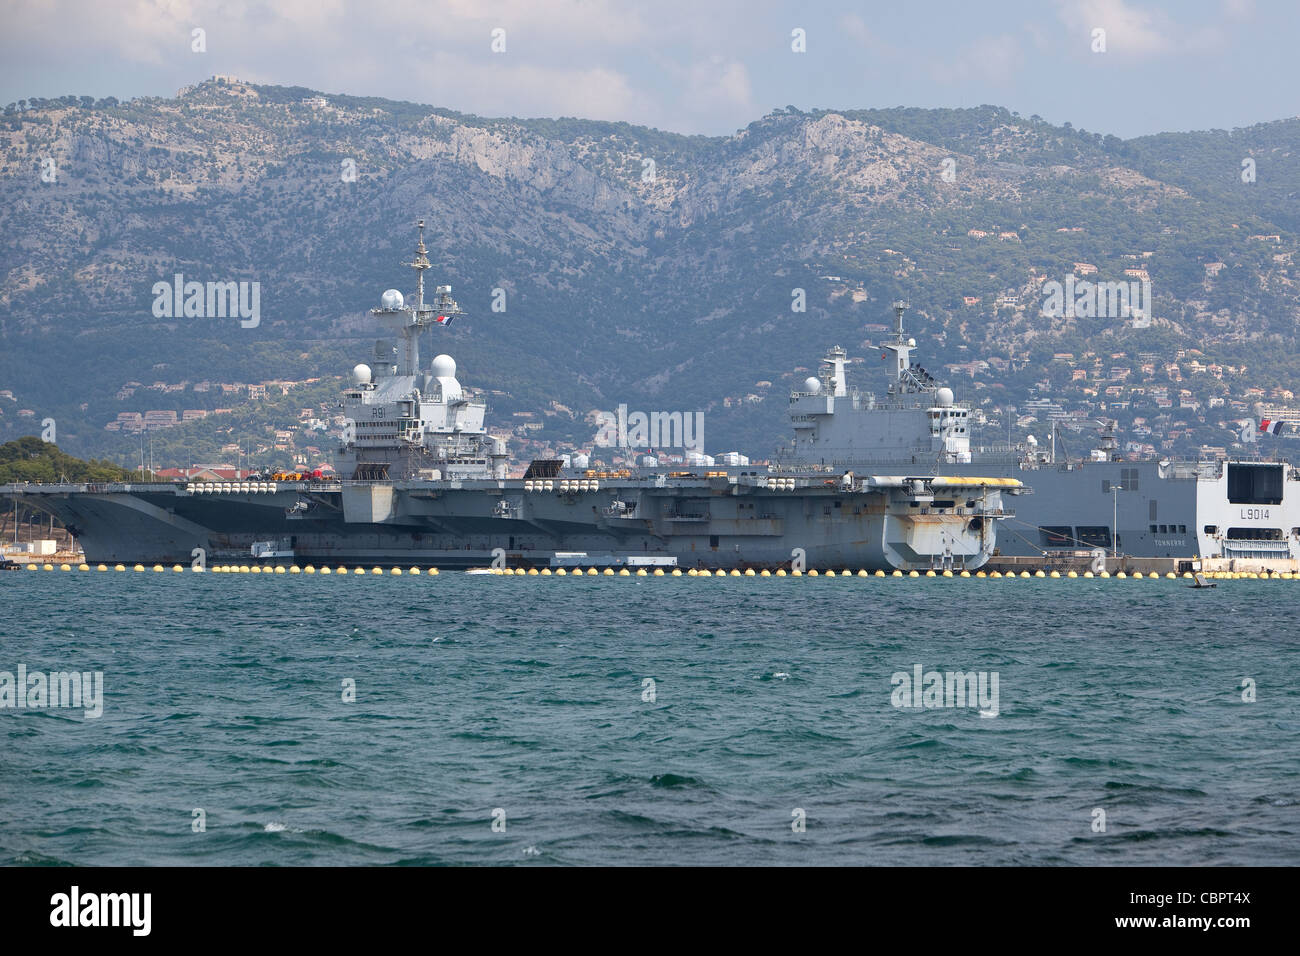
point(473, 694)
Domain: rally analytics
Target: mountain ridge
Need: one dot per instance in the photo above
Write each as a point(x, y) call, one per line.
point(668, 282)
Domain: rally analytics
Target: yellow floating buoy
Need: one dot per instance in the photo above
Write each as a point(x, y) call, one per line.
point(433, 570)
point(102, 567)
point(376, 570)
point(796, 573)
point(749, 573)
point(659, 572)
point(1072, 574)
point(532, 572)
point(981, 574)
point(813, 573)
point(1088, 574)
point(780, 572)
point(545, 572)
point(610, 571)
point(560, 572)
point(734, 573)
point(358, 570)
point(119, 567)
point(49, 567)
point(279, 569)
point(294, 569)
point(879, 573)
point(930, 574)
point(898, 573)
point(765, 573)
point(996, 574)
point(415, 571)
point(1137, 574)
point(1170, 575)
point(65, 567)
point(946, 573)
point(862, 573)
point(641, 572)
point(913, 574)
point(677, 572)
point(1121, 574)
point(830, 574)
point(965, 574)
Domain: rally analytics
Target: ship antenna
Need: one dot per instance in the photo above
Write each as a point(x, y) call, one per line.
point(419, 265)
point(899, 308)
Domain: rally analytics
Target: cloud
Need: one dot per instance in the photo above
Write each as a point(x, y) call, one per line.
point(1129, 31)
point(718, 86)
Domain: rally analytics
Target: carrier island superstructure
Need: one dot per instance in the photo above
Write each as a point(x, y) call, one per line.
point(1228, 509)
point(422, 482)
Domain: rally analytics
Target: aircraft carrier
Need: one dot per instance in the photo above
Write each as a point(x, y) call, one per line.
point(422, 482)
point(1157, 508)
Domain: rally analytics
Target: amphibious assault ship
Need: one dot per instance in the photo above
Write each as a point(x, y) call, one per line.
point(1237, 509)
point(421, 482)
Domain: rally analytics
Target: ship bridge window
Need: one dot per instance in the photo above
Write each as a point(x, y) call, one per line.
point(1255, 534)
point(1255, 484)
point(1211, 529)
point(1094, 536)
point(1058, 536)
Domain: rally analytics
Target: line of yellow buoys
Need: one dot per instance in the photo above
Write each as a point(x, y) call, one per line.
point(691, 572)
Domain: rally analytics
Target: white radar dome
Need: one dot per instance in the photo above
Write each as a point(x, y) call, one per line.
point(944, 396)
point(812, 384)
point(444, 366)
point(392, 299)
point(361, 375)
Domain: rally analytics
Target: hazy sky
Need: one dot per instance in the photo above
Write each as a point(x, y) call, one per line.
point(695, 66)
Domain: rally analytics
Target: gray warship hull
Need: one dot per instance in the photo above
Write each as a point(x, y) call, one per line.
point(425, 484)
point(1151, 508)
point(1234, 509)
point(719, 522)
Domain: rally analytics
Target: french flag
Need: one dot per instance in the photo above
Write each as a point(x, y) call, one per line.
point(1272, 427)
point(444, 319)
